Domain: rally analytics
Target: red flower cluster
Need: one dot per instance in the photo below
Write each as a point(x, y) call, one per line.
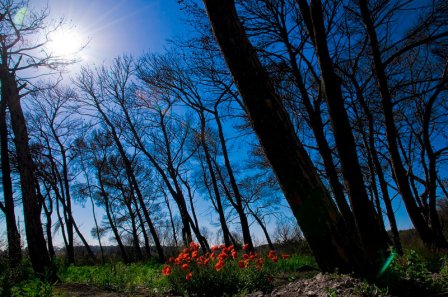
point(220, 254)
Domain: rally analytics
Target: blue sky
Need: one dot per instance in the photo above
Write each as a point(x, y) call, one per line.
point(133, 27)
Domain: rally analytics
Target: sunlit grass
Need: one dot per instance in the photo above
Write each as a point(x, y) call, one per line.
point(117, 277)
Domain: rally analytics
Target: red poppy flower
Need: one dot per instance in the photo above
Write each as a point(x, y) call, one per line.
point(219, 265)
point(188, 276)
point(185, 266)
point(166, 270)
point(245, 246)
point(285, 256)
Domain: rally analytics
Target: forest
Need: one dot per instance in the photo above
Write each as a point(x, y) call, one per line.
point(270, 148)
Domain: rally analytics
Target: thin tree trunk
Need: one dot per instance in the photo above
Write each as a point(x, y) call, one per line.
point(92, 203)
point(135, 239)
point(236, 192)
point(173, 227)
point(142, 226)
point(61, 222)
point(378, 168)
point(67, 214)
point(432, 164)
point(48, 225)
point(220, 208)
point(68, 200)
point(263, 227)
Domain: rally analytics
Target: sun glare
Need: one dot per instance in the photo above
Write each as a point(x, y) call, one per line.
point(66, 43)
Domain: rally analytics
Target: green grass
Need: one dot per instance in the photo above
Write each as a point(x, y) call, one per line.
point(117, 277)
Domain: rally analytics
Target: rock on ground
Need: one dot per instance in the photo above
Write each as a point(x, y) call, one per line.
point(322, 285)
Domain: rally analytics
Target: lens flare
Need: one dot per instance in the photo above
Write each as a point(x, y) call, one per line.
point(19, 17)
point(387, 263)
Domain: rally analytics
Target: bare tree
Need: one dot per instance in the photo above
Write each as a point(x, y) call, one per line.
point(332, 244)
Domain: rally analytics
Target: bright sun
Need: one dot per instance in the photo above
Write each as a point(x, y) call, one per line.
point(65, 43)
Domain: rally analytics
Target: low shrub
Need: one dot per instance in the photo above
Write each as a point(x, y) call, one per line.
point(409, 275)
point(32, 288)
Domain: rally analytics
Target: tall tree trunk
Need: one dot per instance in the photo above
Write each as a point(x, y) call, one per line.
point(48, 212)
point(220, 208)
point(67, 202)
point(143, 227)
point(263, 228)
point(372, 235)
point(173, 227)
point(236, 192)
point(426, 234)
point(37, 248)
point(61, 223)
point(378, 168)
point(135, 239)
point(92, 203)
point(14, 248)
point(432, 162)
point(333, 245)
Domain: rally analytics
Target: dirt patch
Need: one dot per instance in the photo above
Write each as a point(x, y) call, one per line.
point(322, 285)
